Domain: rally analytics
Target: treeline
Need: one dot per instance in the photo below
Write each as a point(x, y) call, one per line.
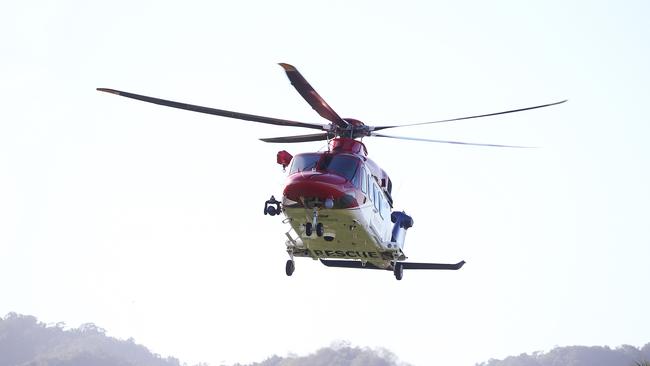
point(580, 356)
point(341, 354)
point(26, 341)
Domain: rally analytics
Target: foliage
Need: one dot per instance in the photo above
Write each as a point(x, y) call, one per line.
point(579, 356)
point(340, 354)
point(26, 341)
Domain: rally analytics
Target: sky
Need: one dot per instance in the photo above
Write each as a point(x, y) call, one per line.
point(147, 221)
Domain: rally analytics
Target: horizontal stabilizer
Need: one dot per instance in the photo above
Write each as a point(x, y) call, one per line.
point(350, 264)
point(404, 265)
point(407, 265)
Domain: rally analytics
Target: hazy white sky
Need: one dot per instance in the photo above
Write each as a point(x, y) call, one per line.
point(147, 220)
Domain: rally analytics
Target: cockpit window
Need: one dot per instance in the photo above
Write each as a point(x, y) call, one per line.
point(302, 162)
point(343, 165)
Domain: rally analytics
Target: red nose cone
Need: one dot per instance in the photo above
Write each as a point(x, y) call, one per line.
point(315, 185)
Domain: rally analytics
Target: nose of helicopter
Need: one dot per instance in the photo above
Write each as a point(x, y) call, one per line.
point(304, 187)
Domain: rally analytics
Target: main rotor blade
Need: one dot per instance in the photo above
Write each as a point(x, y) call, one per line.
point(444, 141)
point(299, 138)
point(312, 97)
point(214, 111)
point(378, 128)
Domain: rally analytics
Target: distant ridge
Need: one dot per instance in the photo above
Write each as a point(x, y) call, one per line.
point(24, 341)
point(341, 354)
point(580, 356)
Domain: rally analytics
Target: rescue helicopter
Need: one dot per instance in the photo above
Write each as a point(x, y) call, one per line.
point(338, 202)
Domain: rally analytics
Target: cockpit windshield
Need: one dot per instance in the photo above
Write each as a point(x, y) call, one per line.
point(343, 165)
point(302, 162)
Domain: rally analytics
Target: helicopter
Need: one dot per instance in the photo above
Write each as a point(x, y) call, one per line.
point(338, 202)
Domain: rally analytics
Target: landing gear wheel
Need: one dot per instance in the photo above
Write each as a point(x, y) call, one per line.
point(398, 271)
point(319, 229)
point(308, 229)
point(290, 267)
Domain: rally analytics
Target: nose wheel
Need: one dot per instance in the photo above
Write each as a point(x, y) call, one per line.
point(314, 224)
point(309, 229)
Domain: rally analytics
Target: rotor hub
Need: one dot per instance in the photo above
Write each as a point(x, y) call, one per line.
point(348, 145)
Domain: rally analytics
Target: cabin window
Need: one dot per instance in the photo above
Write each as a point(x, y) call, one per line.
point(368, 183)
point(375, 193)
point(343, 165)
point(302, 162)
point(380, 202)
point(385, 209)
point(364, 181)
